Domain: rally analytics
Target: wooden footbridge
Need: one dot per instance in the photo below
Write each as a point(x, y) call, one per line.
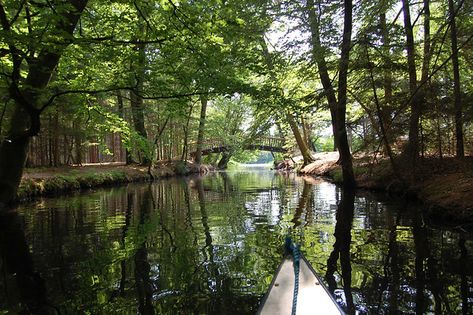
point(272, 144)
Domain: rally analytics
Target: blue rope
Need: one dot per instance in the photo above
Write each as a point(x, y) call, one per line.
point(293, 250)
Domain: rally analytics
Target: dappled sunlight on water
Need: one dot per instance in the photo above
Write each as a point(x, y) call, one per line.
point(211, 246)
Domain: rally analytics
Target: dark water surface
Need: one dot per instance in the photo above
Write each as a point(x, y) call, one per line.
point(211, 246)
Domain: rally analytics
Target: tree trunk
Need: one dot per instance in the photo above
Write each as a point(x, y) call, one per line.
point(460, 151)
point(55, 150)
point(337, 108)
point(223, 163)
point(25, 121)
point(136, 100)
point(306, 128)
point(13, 154)
point(427, 43)
point(200, 135)
point(305, 151)
point(412, 148)
point(425, 67)
point(343, 145)
point(303, 146)
point(386, 109)
point(121, 114)
point(388, 79)
point(439, 133)
point(319, 58)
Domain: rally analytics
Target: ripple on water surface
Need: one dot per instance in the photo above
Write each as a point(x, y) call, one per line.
point(211, 245)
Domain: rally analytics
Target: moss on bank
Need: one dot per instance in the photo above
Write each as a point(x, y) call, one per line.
point(54, 181)
point(41, 182)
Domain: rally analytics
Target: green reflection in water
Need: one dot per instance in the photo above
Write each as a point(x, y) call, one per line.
point(211, 246)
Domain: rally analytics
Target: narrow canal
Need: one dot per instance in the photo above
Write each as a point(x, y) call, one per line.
point(211, 245)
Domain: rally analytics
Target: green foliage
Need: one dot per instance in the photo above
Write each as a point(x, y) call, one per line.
point(324, 144)
point(170, 53)
point(180, 168)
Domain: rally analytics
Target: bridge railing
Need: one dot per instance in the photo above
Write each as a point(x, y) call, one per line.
point(211, 143)
point(274, 142)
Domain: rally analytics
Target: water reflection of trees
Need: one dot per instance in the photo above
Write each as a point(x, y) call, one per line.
point(18, 270)
point(212, 245)
point(304, 205)
point(144, 285)
point(396, 262)
point(341, 249)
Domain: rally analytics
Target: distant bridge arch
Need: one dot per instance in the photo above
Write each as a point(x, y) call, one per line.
point(272, 144)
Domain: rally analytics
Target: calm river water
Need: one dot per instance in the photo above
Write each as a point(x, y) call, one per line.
point(211, 245)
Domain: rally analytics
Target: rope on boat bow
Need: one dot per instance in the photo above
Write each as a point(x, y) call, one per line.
point(293, 250)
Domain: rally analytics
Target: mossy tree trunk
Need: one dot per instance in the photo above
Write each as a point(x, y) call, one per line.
point(223, 162)
point(121, 114)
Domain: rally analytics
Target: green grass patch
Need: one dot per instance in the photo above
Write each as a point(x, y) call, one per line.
point(74, 180)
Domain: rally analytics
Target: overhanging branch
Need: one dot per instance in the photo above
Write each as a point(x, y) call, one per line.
point(127, 88)
point(111, 39)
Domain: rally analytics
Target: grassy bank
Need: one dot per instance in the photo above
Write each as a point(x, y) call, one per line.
point(445, 185)
point(54, 181)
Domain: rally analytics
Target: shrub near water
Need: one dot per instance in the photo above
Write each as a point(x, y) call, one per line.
point(96, 179)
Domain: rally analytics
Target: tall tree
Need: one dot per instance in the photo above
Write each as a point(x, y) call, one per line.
point(301, 143)
point(200, 136)
point(343, 146)
point(318, 55)
point(386, 109)
point(412, 148)
point(28, 81)
point(460, 150)
point(136, 97)
point(337, 107)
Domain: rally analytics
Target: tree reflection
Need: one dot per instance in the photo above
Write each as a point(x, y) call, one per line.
point(391, 268)
point(341, 248)
point(302, 205)
point(128, 213)
point(144, 285)
point(215, 282)
point(211, 245)
point(464, 288)
point(422, 252)
point(18, 263)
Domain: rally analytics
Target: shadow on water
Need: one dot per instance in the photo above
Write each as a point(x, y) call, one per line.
point(210, 245)
point(16, 261)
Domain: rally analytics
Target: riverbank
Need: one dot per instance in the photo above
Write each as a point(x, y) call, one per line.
point(58, 180)
point(445, 185)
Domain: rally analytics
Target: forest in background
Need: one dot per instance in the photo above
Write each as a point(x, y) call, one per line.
point(389, 78)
